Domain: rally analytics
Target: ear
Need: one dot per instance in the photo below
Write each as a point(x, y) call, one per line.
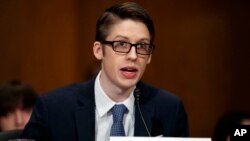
point(149, 59)
point(97, 50)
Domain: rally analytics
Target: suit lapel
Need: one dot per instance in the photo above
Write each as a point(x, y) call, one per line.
point(85, 123)
point(140, 129)
point(147, 111)
point(85, 113)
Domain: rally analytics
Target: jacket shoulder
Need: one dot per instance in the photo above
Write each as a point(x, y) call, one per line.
point(69, 94)
point(155, 93)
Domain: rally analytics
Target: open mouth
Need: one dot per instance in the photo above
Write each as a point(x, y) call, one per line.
point(129, 69)
point(129, 72)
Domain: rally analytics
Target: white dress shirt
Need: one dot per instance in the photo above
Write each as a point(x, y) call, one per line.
point(103, 113)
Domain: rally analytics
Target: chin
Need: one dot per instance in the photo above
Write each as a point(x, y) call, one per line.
point(128, 83)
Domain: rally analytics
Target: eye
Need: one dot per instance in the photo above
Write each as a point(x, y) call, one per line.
point(120, 44)
point(124, 44)
point(143, 46)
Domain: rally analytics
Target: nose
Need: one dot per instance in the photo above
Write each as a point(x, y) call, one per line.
point(19, 119)
point(132, 55)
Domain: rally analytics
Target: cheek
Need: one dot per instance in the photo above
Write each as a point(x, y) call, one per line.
point(7, 123)
point(144, 62)
point(149, 59)
point(26, 116)
point(111, 60)
point(110, 65)
point(143, 67)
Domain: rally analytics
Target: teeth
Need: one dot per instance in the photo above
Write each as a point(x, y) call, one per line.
point(129, 69)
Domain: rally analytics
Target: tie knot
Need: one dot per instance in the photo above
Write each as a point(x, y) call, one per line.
point(118, 112)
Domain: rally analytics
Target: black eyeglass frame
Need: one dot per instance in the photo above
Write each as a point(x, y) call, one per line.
point(131, 45)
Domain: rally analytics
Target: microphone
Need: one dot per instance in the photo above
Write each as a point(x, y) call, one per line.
point(137, 93)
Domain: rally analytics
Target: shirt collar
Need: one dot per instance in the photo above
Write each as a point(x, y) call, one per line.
point(104, 103)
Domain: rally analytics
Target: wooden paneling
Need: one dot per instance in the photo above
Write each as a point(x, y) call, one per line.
point(202, 50)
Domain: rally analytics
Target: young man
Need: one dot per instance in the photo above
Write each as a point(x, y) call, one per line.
point(16, 103)
point(115, 102)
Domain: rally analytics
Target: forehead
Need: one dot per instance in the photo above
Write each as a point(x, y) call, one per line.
point(130, 29)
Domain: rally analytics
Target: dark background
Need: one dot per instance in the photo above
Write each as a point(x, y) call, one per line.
point(202, 50)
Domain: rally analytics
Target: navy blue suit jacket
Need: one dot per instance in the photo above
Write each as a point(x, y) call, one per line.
point(68, 114)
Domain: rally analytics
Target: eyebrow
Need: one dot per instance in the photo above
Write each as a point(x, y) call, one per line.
point(126, 38)
point(120, 36)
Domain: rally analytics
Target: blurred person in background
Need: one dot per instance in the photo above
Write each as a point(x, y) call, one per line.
point(227, 122)
point(16, 103)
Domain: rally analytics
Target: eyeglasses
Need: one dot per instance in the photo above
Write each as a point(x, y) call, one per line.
point(125, 47)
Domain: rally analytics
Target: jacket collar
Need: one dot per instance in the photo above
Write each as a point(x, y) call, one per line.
point(147, 110)
point(85, 113)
